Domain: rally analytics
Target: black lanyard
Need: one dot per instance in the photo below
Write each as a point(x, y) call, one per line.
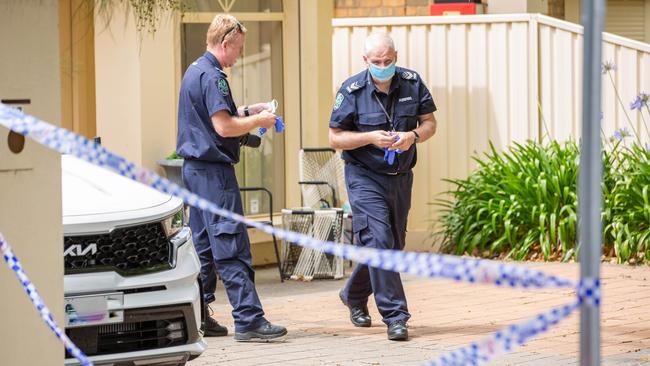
point(392, 110)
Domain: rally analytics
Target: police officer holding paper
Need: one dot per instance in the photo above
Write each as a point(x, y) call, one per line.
point(209, 129)
point(378, 117)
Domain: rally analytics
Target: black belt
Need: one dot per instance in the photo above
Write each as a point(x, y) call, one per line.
point(372, 171)
point(208, 161)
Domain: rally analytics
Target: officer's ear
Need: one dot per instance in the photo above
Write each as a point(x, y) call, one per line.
point(227, 42)
point(365, 60)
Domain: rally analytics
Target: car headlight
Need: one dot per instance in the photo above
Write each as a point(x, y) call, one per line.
point(177, 231)
point(173, 224)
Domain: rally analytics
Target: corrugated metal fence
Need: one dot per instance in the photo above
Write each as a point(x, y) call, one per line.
point(490, 76)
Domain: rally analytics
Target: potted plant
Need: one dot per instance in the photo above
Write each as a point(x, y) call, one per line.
point(173, 165)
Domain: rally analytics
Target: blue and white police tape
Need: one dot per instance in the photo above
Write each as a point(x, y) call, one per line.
point(422, 264)
point(504, 340)
point(36, 299)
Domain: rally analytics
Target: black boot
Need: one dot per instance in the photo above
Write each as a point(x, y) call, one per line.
point(211, 328)
point(397, 331)
point(266, 332)
point(359, 315)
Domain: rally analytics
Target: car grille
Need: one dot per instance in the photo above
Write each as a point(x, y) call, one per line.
point(128, 251)
point(143, 329)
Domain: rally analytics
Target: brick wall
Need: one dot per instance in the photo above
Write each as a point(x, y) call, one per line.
point(388, 8)
point(380, 8)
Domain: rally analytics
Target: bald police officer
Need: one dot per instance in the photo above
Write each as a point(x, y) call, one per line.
point(209, 124)
point(378, 117)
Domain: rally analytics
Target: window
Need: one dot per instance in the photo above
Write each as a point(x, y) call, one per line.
point(257, 77)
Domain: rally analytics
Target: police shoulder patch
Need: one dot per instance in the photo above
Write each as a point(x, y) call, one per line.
point(338, 101)
point(222, 85)
point(354, 87)
point(409, 75)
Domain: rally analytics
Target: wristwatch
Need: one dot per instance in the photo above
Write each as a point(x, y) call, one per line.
point(246, 113)
point(417, 136)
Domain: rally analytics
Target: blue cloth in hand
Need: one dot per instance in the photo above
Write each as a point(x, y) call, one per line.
point(389, 155)
point(279, 126)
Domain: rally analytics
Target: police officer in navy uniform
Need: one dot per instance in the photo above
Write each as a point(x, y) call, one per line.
point(378, 117)
point(209, 127)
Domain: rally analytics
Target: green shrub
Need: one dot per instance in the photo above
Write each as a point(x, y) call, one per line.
point(628, 205)
point(520, 203)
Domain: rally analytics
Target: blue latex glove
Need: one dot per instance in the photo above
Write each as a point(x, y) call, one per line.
point(389, 155)
point(279, 126)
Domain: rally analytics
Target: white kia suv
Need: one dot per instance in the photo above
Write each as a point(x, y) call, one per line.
point(132, 295)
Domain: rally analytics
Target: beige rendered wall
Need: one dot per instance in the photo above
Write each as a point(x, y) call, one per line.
point(136, 88)
point(30, 184)
point(77, 50)
point(316, 71)
point(292, 96)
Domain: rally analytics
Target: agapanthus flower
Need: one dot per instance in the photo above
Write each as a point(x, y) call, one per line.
point(640, 101)
point(622, 133)
point(607, 66)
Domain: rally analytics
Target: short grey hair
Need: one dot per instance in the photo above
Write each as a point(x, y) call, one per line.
point(377, 39)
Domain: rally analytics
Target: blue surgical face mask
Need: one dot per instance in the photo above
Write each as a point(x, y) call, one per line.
point(382, 73)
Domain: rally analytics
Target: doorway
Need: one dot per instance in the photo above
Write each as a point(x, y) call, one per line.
point(257, 77)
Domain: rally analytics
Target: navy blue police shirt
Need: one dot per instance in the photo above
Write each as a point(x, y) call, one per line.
point(357, 109)
point(205, 91)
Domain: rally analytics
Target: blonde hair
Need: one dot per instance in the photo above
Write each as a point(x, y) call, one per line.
point(223, 27)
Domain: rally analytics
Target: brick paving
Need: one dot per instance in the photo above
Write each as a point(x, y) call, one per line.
point(445, 315)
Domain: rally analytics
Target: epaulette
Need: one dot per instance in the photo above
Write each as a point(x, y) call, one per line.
point(409, 75)
point(354, 87)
